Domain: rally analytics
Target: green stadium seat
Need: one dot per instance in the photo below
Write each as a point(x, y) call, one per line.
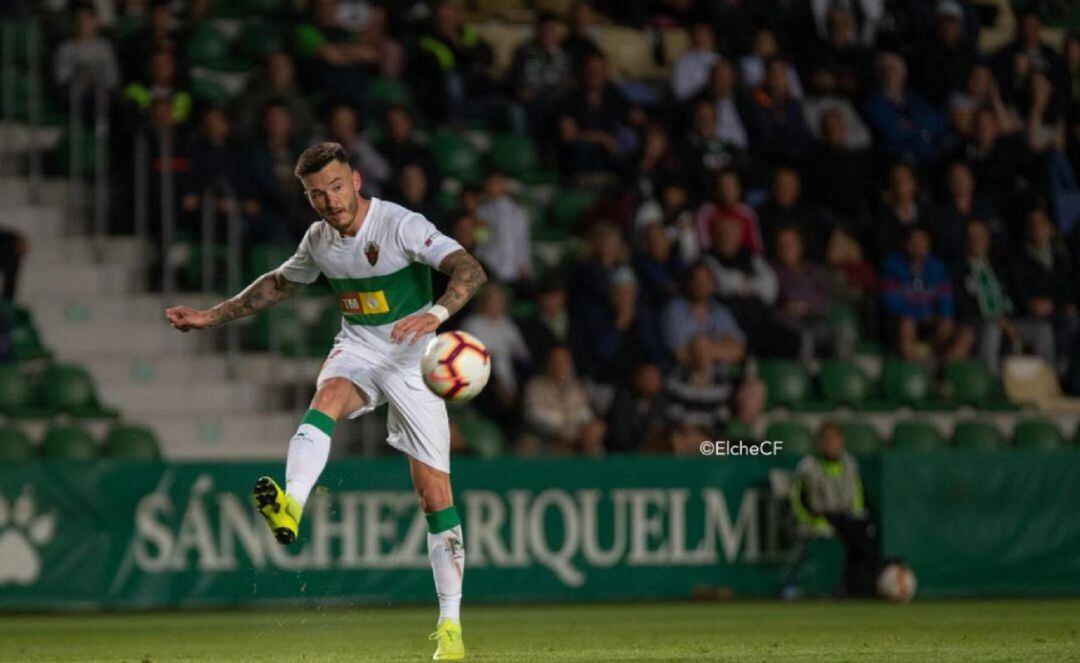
point(455, 157)
point(386, 92)
point(25, 343)
point(916, 436)
point(514, 154)
point(16, 394)
point(906, 382)
point(977, 435)
point(568, 208)
point(257, 39)
point(132, 442)
point(797, 438)
point(786, 382)
point(15, 446)
point(207, 46)
point(481, 435)
point(844, 383)
point(68, 443)
point(1038, 434)
point(67, 388)
point(969, 382)
point(861, 438)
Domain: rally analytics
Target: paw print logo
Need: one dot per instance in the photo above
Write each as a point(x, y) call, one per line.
point(23, 532)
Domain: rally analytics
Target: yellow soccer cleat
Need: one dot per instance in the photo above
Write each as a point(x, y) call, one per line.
point(281, 510)
point(451, 647)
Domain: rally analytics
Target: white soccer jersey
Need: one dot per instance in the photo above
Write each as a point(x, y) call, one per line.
point(381, 275)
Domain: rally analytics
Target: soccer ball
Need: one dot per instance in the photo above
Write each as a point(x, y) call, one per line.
point(897, 583)
point(456, 366)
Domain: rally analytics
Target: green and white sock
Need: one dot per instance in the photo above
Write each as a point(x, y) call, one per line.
point(446, 552)
point(308, 451)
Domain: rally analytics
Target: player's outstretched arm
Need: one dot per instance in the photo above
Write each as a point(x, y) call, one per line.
point(267, 290)
point(466, 276)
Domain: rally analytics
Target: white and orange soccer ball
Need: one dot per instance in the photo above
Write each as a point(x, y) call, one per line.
point(455, 366)
point(897, 583)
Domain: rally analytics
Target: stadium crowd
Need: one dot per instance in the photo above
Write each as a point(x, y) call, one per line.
point(810, 175)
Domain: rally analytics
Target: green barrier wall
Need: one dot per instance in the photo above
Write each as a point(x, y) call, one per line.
point(130, 534)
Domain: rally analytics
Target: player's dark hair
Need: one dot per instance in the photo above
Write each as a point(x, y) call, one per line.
point(315, 158)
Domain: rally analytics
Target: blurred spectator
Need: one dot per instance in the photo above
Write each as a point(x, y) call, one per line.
point(331, 57)
point(590, 120)
point(841, 55)
point(556, 409)
point(917, 298)
point(1025, 56)
point(823, 100)
point(727, 203)
point(402, 143)
point(691, 71)
point(804, 301)
point(704, 151)
point(905, 125)
point(674, 212)
point(961, 204)
point(705, 393)
point(541, 71)
point(613, 337)
point(982, 302)
point(838, 175)
point(452, 72)
point(507, 250)
point(277, 83)
point(274, 201)
point(784, 208)
point(492, 325)
point(549, 324)
point(901, 209)
point(748, 286)
point(86, 53)
point(697, 313)
point(413, 192)
point(1042, 276)
point(606, 251)
point(636, 418)
point(1046, 131)
point(980, 91)
point(155, 35)
point(657, 266)
point(163, 82)
point(946, 59)
point(657, 161)
point(853, 277)
point(342, 127)
point(732, 108)
point(216, 164)
point(753, 66)
point(579, 42)
point(780, 134)
point(827, 498)
point(1006, 172)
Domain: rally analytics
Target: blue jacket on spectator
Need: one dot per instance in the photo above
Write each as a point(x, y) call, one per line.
point(917, 295)
point(908, 130)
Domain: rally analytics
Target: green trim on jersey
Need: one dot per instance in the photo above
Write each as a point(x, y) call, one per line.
point(403, 292)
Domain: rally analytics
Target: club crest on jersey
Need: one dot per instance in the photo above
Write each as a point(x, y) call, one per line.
point(372, 253)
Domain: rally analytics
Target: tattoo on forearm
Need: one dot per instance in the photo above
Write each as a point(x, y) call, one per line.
point(267, 290)
point(466, 276)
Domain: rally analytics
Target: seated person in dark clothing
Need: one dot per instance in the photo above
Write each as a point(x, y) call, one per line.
point(589, 121)
point(901, 210)
point(635, 419)
point(549, 324)
point(983, 303)
point(657, 267)
point(401, 144)
point(837, 175)
point(917, 298)
point(1044, 289)
point(614, 336)
point(785, 208)
point(961, 204)
point(748, 285)
point(827, 498)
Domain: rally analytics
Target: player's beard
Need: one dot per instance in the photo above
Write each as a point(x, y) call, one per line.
point(345, 218)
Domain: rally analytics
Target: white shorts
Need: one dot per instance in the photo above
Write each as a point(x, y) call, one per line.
point(416, 422)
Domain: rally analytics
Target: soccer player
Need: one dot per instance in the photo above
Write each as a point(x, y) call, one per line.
point(377, 257)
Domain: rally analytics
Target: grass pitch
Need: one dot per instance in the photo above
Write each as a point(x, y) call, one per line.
point(1047, 630)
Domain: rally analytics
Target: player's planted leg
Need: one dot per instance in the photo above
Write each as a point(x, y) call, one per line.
point(446, 552)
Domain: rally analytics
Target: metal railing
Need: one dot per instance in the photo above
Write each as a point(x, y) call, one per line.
point(89, 84)
point(10, 151)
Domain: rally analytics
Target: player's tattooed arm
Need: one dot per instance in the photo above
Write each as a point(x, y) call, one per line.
point(466, 277)
point(264, 292)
